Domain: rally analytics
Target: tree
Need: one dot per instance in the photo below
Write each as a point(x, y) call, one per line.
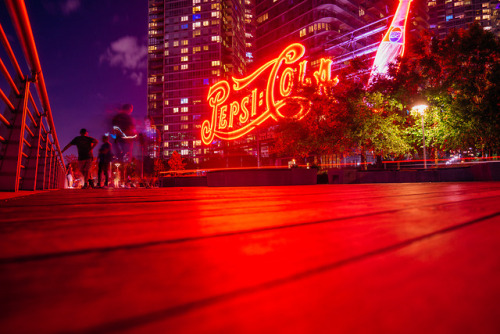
point(175, 162)
point(459, 79)
point(344, 118)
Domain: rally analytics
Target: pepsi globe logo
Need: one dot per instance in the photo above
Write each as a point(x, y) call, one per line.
point(395, 34)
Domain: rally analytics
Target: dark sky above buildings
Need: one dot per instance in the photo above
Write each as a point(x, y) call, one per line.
point(94, 57)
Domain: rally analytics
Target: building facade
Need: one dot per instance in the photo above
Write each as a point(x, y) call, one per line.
point(456, 14)
point(195, 43)
point(339, 29)
point(192, 44)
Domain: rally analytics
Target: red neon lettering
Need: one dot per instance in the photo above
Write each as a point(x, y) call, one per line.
point(246, 111)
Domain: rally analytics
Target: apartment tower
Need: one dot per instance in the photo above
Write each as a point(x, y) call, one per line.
point(192, 44)
point(449, 14)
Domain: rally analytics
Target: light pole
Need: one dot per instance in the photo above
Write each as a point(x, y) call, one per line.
point(421, 110)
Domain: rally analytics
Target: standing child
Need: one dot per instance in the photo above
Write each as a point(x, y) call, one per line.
point(105, 157)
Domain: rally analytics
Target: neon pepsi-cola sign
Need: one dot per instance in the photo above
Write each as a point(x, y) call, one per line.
point(241, 106)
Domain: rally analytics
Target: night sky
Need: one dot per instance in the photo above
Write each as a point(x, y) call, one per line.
point(94, 57)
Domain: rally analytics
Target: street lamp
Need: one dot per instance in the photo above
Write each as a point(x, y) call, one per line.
point(421, 110)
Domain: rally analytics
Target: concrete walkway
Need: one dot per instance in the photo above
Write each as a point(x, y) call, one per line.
point(384, 258)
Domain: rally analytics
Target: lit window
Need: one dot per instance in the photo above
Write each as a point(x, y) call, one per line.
point(449, 17)
point(215, 62)
point(184, 18)
point(184, 100)
point(205, 48)
point(165, 127)
point(185, 143)
point(185, 42)
point(184, 126)
point(184, 66)
point(184, 26)
point(185, 58)
point(215, 38)
point(166, 44)
point(184, 152)
point(302, 32)
point(195, 2)
point(166, 52)
point(262, 18)
point(165, 144)
point(215, 14)
point(184, 109)
point(184, 118)
point(196, 49)
point(196, 25)
point(206, 23)
point(176, 68)
point(175, 110)
point(176, 43)
point(196, 9)
point(196, 33)
point(184, 50)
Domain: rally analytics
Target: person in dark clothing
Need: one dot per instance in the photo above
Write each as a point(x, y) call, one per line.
point(105, 157)
point(84, 144)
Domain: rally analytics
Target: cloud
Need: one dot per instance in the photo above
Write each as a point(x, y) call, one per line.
point(70, 6)
point(126, 53)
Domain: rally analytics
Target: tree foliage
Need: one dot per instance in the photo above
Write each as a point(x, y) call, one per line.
point(175, 162)
point(457, 77)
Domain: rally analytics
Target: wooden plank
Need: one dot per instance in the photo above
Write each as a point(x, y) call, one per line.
point(73, 228)
point(256, 263)
point(446, 283)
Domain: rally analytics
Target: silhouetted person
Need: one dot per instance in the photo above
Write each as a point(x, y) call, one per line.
point(104, 159)
point(84, 144)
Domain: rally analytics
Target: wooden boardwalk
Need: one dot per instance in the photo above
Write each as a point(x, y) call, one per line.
point(385, 258)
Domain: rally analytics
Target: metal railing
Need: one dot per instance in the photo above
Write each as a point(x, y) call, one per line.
point(30, 155)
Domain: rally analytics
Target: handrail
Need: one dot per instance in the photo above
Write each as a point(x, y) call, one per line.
point(8, 48)
point(19, 15)
point(30, 156)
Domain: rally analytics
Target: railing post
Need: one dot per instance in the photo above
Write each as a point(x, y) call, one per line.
point(43, 170)
point(54, 169)
point(32, 162)
point(49, 178)
point(12, 160)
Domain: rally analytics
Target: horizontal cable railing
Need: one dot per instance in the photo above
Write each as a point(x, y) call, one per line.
point(30, 155)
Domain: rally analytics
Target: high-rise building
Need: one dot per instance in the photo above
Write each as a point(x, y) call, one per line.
point(449, 14)
point(192, 44)
point(336, 28)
